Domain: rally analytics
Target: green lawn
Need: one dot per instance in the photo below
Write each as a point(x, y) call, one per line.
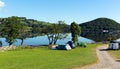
point(115, 54)
point(43, 58)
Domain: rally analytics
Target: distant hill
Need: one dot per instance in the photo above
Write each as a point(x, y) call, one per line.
point(100, 24)
point(99, 28)
point(35, 24)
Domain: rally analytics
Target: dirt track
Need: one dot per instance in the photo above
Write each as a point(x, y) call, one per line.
point(105, 60)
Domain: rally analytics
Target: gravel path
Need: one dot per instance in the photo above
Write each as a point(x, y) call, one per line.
point(105, 60)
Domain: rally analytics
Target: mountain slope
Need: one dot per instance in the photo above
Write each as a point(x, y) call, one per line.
point(100, 28)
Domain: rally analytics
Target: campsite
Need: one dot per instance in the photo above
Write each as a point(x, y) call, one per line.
point(59, 34)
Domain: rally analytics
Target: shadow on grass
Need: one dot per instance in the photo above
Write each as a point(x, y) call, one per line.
point(108, 50)
point(117, 60)
point(103, 49)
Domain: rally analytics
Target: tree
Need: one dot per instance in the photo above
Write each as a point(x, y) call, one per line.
point(54, 32)
point(0, 43)
point(24, 32)
point(11, 29)
point(75, 31)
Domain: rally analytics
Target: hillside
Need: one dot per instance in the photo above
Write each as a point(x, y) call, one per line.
point(100, 28)
point(35, 24)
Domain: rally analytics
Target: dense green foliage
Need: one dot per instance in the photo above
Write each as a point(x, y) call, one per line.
point(35, 24)
point(24, 32)
point(21, 28)
point(10, 29)
point(101, 29)
point(54, 32)
point(75, 31)
point(43, 58)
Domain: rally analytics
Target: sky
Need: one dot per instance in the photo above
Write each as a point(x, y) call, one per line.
point(52, 11)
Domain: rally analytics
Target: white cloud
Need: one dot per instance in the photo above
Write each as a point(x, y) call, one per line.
point(2, 4)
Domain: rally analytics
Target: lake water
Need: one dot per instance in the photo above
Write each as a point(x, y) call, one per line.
point(42, 40)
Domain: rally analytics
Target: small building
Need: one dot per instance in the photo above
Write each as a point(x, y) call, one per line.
point(115, 45)
point(105, 31)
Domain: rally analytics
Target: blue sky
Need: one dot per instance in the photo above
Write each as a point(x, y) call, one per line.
point(67, 10)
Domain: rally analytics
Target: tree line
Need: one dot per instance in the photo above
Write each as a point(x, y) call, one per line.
point(14, 27)
point(100, 29)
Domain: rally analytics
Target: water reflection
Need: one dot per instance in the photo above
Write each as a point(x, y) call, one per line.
point(101, 36)
point(42, 40)
point(88, 37)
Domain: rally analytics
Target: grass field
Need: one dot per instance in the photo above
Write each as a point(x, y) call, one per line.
point(44, 58)
point(115, 54)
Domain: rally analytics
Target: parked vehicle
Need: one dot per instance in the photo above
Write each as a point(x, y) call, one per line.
point(115, 45)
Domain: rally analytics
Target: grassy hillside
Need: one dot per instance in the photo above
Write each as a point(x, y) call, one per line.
point(43, 58)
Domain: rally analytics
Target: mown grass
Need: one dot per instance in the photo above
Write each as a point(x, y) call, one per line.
point(115, 54)
point(44, 58)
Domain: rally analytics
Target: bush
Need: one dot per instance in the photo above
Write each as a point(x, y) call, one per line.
point(82, 44)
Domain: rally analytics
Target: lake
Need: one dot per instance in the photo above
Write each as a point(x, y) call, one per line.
point(42, 40)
